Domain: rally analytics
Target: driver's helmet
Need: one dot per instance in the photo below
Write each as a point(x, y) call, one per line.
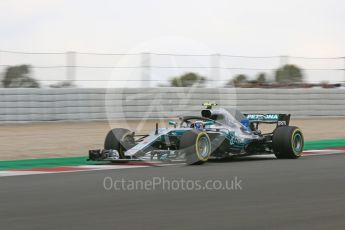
point(199, 125)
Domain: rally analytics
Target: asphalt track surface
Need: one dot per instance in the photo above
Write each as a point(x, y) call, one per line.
point(308, 193)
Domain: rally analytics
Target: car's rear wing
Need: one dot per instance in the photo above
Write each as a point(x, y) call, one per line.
point(272, 118)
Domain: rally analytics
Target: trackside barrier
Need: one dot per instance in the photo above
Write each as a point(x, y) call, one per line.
point(31, 105)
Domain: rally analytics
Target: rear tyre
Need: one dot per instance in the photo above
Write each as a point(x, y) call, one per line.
point(288, 142)
point(119, 139)
point(197, 147)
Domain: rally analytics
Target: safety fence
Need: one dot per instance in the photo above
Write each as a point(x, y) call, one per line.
point(86, 69)
point(32, 105)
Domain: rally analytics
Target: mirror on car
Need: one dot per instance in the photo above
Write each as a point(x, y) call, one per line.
point(173, 123)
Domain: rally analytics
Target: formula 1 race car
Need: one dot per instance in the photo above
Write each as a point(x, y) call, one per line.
point(217, 133)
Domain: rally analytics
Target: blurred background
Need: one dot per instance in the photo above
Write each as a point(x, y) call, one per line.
point(91, 43)
point(79, 69)
point(71, 70)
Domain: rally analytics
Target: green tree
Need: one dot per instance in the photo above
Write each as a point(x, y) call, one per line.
point(18, 77)
point(239, 79)
point(62, 84)
point(187, 80)
point(289, 74)
point(261, 78)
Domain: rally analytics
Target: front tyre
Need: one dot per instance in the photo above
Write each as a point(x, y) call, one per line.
point(197, 146)
point(288, 142)
point(119, 139)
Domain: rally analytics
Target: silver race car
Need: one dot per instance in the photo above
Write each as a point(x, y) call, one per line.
point(215, 133)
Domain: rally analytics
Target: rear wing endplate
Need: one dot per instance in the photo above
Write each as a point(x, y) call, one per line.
point(273, 118)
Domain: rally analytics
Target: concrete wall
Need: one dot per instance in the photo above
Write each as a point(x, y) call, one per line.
point(26, 105)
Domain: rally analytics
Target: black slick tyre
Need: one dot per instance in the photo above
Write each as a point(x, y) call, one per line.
point(119, 139)
point(288, 142)
point(196, 145)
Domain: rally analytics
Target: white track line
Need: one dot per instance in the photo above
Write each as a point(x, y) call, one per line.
point(106, 167)
point(20, 173)
point(330, 152)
